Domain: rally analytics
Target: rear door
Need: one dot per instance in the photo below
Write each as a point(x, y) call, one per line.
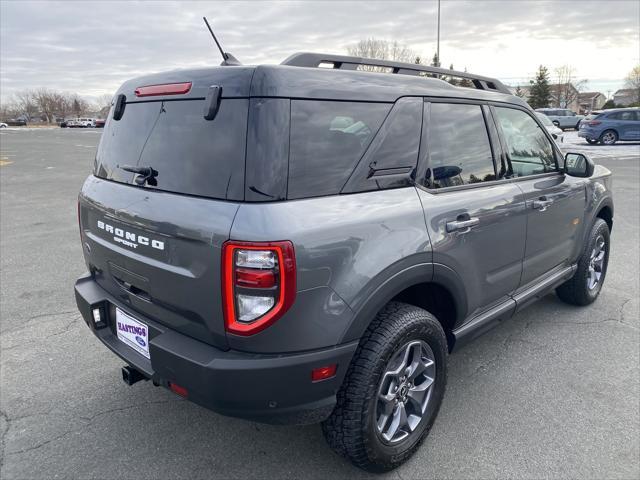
point(555, 202)
point(476, 220)
point(156, 245)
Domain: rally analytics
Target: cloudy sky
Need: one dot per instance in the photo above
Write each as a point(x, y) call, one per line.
point(91, 47)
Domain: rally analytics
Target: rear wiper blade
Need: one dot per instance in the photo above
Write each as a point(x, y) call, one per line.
point(146, 171)
point(144, 174)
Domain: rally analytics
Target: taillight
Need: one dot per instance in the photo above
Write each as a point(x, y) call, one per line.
point(594, 123)
point(258, 284)
point(164, 89)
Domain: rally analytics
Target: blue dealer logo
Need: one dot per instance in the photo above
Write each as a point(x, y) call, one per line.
point(141, 341)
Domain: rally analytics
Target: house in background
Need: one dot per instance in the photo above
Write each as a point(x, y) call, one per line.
point(625, 97)
point(589, 101)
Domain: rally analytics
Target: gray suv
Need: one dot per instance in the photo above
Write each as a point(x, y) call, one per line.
point(294, 244)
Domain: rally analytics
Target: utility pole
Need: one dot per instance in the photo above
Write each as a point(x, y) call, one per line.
point(438, 44)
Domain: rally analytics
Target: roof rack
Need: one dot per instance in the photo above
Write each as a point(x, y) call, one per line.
point(344, 62)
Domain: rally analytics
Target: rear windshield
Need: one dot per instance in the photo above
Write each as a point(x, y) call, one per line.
point(190, 154)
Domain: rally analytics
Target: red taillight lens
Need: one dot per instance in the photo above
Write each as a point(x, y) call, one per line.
point(258, 284)
point(165, 89)
point(594, 123)
point(323, 373)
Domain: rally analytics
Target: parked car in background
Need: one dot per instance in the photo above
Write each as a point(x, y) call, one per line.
point(81, 123)
point(16, 122)
point(3, 125)
point(556, 133)
point(611, 126)
point(562, 117)
point(100, 123)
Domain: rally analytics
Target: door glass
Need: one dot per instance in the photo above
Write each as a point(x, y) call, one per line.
point(529, 149)
point(458, 145)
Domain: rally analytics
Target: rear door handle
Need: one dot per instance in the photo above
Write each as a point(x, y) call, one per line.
point(542, 204)
point(462, 225)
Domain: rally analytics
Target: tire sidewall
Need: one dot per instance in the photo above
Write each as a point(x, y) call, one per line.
point(378, 451)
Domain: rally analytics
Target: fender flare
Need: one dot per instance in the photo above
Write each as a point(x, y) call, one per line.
point(383, 293)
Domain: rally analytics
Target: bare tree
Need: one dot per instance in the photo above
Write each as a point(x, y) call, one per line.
point(567, 88)
point(48, 102)
point(25, 104)
point(632, 81)
point(78, 104)
point(9, 109)
point(103, 104)
point(381, 49)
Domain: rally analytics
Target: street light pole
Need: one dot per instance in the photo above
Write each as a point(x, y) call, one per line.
point(438, 44)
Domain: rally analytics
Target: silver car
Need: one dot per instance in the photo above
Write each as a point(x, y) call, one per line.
point(556, 133)
point(562, 117)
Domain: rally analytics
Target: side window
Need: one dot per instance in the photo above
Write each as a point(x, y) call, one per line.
point(458, 146)
point(327, 139)
point(529, 149)
point(615, 116)
point(628, 116)
point(391, 158)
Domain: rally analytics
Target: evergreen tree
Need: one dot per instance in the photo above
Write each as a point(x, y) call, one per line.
point(418, 60)
point(436, 61)
point(540, 93)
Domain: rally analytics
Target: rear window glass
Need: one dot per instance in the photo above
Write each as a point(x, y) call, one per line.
point(327, 140)
point(190, 154)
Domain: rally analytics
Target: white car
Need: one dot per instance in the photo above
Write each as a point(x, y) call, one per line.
point(82, 123)
point(3, 125)
point(556, 133)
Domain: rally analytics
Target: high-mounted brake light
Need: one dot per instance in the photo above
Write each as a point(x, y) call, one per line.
point(258, 284)
point(164, 89)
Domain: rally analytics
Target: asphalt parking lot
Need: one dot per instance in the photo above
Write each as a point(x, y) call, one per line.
point(552, 393)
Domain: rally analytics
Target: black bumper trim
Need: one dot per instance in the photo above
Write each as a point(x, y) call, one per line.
point(265, 388)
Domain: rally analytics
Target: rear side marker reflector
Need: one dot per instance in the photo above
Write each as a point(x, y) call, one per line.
point(323, 373)
point(164, 89)
point(177, 389)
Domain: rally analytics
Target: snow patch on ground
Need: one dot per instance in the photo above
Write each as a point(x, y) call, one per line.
point(573, 143)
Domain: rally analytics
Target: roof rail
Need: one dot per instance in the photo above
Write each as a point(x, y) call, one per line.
point(344, 62)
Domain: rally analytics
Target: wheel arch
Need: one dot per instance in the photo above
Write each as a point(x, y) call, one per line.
point(433, 287)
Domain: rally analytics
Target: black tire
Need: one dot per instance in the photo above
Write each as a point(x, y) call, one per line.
point(577, 291)
point(591, 141)
point(351, 429)
point(608, 137)
point(556, 123)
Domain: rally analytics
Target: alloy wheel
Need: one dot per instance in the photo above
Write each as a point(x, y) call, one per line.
point(405, 391)
point(596, 263)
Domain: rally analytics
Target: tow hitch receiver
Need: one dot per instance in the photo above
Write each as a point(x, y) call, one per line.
point(131, 375)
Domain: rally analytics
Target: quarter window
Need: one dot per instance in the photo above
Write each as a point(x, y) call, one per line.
point(458, 146)
point(327, 140)
point(529, 149)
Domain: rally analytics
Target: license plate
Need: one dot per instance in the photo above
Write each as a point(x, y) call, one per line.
point(132, 333)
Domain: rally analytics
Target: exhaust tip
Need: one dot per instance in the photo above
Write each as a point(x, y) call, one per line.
point(131, 375)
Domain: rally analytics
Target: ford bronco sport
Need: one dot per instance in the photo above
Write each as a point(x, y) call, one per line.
point(296, 244)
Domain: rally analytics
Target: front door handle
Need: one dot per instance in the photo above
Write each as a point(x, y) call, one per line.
point(542, 204)
point(462, 226)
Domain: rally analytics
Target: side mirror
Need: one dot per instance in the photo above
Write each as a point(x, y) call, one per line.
point(578, 165)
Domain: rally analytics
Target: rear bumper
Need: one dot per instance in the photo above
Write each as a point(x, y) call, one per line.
point(265, 388)
point(589, 133)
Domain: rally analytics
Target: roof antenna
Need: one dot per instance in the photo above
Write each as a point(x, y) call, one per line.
point(227, 58)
